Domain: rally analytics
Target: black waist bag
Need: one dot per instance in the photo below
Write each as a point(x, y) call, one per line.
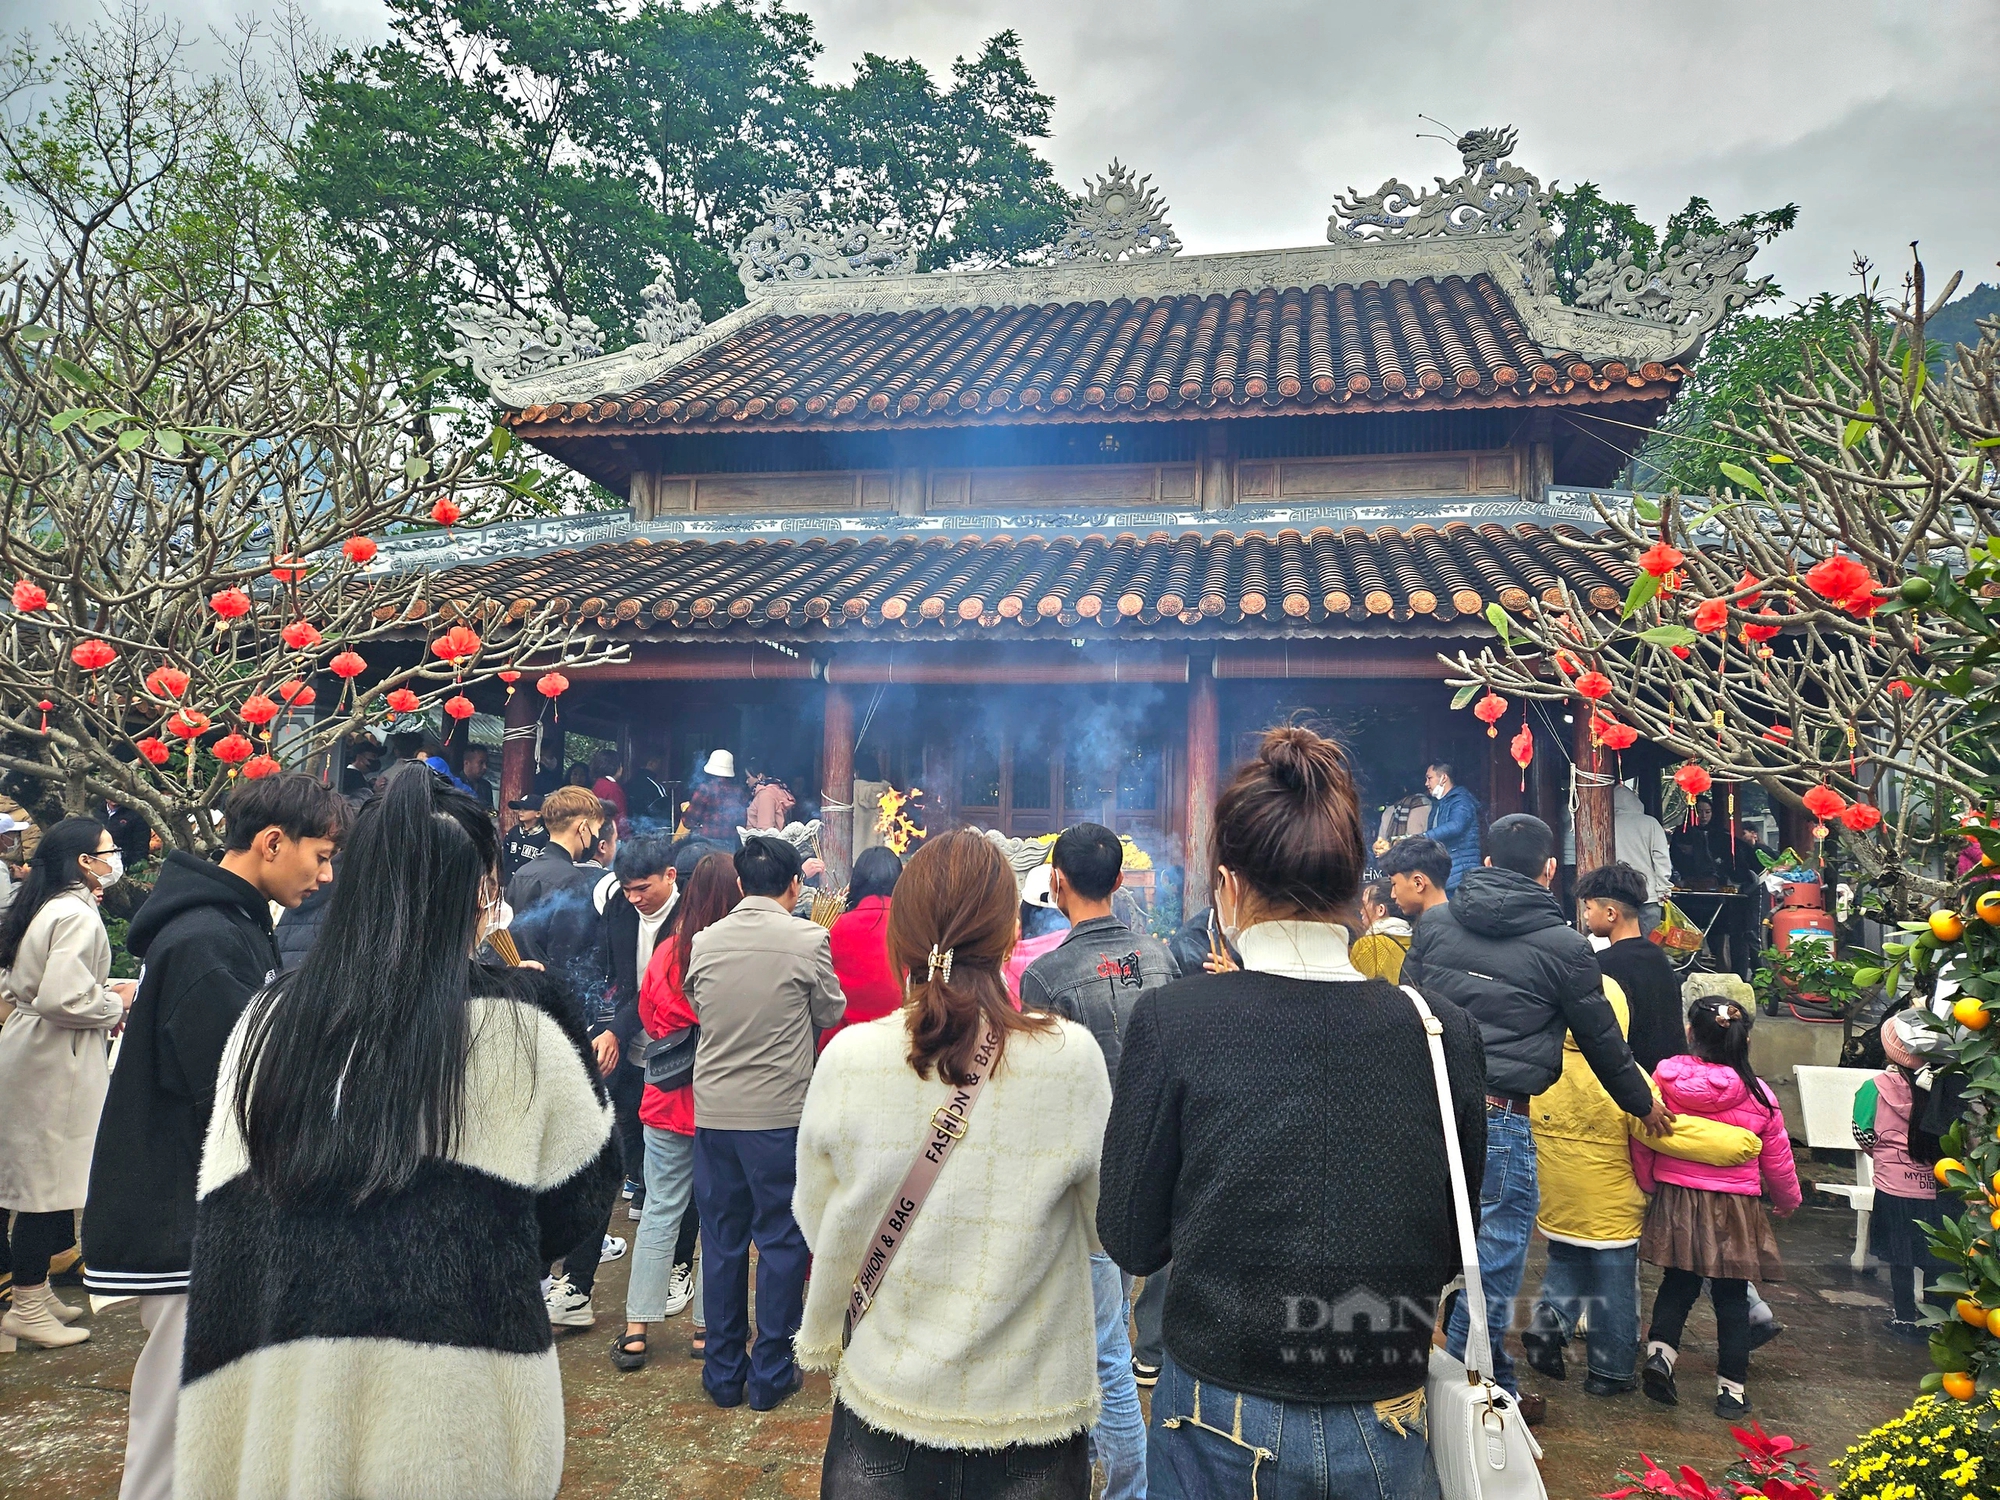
point(670, 1060)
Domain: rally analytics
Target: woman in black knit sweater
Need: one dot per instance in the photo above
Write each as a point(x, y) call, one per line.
point(1275, 1134)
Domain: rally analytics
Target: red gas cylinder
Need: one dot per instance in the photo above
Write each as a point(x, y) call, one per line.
point(1803, 893)
point(1790, 924)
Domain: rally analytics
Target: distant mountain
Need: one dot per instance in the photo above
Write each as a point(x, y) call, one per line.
point(1956, 323)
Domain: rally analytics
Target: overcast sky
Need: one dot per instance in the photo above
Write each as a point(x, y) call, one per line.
point(1882, 121)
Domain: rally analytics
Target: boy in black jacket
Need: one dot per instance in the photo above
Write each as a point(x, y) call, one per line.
point(204, 939)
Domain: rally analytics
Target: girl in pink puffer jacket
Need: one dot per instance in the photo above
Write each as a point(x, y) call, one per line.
point(1706, 1222)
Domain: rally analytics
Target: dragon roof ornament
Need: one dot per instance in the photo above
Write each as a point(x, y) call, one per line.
point(1491, 196)
point(664, 319)
point(1120, 218)
point(502, 346)
point(784, 248)
point(1690, 286)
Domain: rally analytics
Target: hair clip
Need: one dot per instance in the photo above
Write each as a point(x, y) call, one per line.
point(940, 965)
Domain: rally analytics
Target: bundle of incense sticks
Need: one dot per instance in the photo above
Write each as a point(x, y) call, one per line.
point(501, 941)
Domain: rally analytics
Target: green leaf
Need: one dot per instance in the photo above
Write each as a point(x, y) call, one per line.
point(75, 373)
point(1857, 429)
point(1668, 636)
point(1776, 458)
point(502, 441)
point(1932, 1383)
point(132, 437)
point(1710, 514)
point(1643, 589)
point(1497, 618)
point(32, 333)
point(1464, 695)
point(1648, 510)
point(1743, 478)
point(170, 442)
point(62, 421)
point(416, 467)
point(1992, 442)
point(211, 449)
point(1917, 387)
point(1866, 977)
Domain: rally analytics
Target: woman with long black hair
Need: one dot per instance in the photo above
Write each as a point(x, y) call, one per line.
point(403, 1139)
point(54, 1063)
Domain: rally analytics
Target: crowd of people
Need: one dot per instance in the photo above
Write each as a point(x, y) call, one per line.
point(1004, 1160)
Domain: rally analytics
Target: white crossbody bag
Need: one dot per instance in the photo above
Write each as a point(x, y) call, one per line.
point(1480, 1442)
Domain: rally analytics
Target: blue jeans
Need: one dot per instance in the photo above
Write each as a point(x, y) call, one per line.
point(669, 1185)
point(1208, 1443)
point(1508, 1199)
point(1118, 1441)
point(1605, 1285)
point(743, 1182)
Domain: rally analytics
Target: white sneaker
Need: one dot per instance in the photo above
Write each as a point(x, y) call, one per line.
point(614, 1249)
point(680, 1290)
point(569, 1308)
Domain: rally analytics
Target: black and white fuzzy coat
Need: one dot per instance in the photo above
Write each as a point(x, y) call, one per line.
point(401, 1349)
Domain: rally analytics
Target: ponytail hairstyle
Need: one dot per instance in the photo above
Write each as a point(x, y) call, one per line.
point(957, 897)
point(1289, 826)
point(353, 1066)
point(52, 871)
point(1719, 1031)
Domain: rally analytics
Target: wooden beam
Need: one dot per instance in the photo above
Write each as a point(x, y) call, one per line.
point(1204, 768)
point(1287, 659)
point(836, 836)
point(1112, 668)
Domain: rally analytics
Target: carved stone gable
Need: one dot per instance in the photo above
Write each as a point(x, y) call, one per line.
point(665, 320)
point(1689, 287)
point(503, 346)
point(1119, 219)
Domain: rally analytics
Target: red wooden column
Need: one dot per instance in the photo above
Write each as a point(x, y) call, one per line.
point(1204, 767)
point(1596, 843)
point(836, 835)
point(517, 751)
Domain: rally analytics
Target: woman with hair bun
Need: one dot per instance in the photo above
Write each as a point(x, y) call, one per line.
point(972, 1369)
point(1276, 1134)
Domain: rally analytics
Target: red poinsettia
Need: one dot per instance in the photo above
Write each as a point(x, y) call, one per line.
point(300, 635)
point(232, 749)
point(1661, 559)
point(359, 550)
point(1594, 685)
point(260, 766)
point(1823, 802)
point(231, 604)
point(166, 682)
point(92, 655)
point(456, 644)
point(1489, 711)
point(1710, 616)
point(1693, 779)
point(296, 694)
point(29, 597)
point(445, 512)
point(347, 664)
point(188, 724)
point(1860, 816)
point(402, 701)
point(155, 750)
point(458, 706)
point(552, 684)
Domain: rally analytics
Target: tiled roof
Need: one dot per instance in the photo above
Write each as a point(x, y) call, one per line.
point(1004, 587)
point(1428, 342)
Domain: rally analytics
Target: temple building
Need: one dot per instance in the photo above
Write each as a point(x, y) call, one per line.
point(1057, 541)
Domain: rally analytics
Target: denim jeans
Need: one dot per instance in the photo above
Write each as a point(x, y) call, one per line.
point(1118, 1442)
point(1604, 1285)
point(1208, 1443)
point(1508, 1199)
point(863, 1464)
point(669, 1187)
point(744, 1179)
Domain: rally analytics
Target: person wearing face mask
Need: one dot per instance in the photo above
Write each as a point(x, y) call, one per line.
point(55, 966)
point(1454, 821)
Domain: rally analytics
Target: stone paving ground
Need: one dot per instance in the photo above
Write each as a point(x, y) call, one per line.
point(653, 1435)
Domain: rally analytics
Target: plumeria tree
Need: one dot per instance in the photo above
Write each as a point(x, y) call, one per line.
point(1813, 627)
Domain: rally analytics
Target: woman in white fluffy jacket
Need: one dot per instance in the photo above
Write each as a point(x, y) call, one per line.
point(973, 1370)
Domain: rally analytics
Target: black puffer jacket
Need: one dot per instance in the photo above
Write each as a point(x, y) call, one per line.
point(1501, 950)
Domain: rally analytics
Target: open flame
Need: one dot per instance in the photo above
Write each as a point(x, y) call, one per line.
point(893, 821)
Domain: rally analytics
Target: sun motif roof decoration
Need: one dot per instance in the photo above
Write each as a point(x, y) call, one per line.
point(1404, 261)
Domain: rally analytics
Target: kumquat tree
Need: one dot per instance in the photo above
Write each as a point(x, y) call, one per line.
point(1830, 628)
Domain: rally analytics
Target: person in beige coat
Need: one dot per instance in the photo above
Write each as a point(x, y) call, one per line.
point(55, 961)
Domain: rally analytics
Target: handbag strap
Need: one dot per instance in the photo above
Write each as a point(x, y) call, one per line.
point(1478, 1351)
point(947, 1129)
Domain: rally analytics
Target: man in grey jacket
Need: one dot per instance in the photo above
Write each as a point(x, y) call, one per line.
point(761, 984)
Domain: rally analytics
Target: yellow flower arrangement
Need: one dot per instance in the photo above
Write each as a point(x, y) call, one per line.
point(1135, 857)
point(1940, 1449)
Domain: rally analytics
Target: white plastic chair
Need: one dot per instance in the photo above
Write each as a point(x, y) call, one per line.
point(1826, 1099)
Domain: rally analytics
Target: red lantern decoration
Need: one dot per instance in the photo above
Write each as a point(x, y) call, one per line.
point(1488, 710)
point(1823, 802)
point(403, 701)
point(166, 682)
point(1612, 734)
point(296, 694)
point(1660, 559)
point(458, 706)
point(45, 706)
point(510, 677)
point(231, 604)
point(1522, 748)
point(552, 684)
point(260, 766)
point(1760, 633)
point(1683, 652)
point(1860, 816)
point(154, 750)
point(348, 665)
point(92, 655)
point(257, 710)
point(456, 644)
point(1594, 685)
point(232, 749)
point(1901, 689)
point(359, 550)
point(29, 597)
point(445, 512)
point(300, 635)
point(1710, 616)
point(287, 569)
point(1693, 780)
point(1778, 734)
point(187, 724)
point(1839, 580)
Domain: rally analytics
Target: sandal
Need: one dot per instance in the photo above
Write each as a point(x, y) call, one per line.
point(698, 1345)
point(624, 1355)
